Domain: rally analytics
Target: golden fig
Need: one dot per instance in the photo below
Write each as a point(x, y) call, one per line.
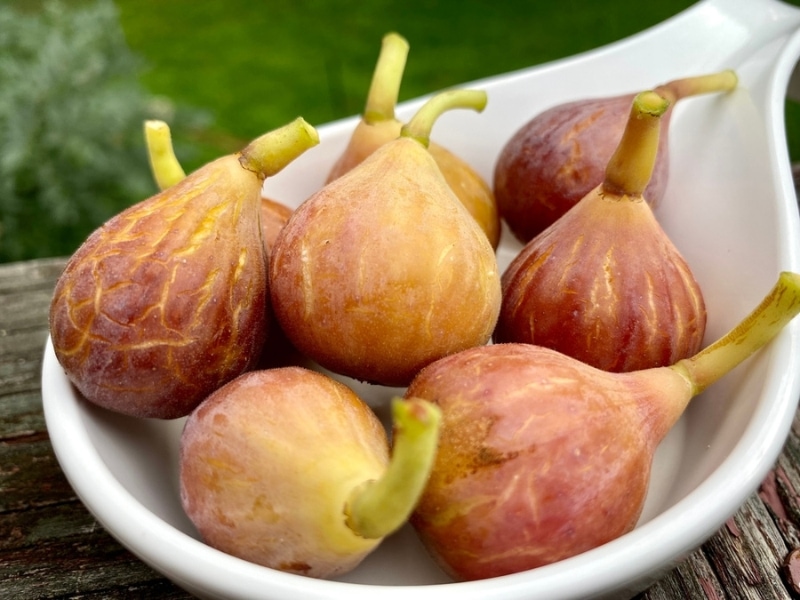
point(288, 468)
point(383, 270)
point(167, 300)
point(379, 125)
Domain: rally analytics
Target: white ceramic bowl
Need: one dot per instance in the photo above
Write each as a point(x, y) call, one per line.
point(730, 208)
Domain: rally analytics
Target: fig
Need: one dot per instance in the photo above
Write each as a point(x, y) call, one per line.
point(604, 283)
point(379, 125)
point(290, 469)
point(168, 300)
point(167, 171)
point(557, 157)
point(542, 457)
point(383, 270)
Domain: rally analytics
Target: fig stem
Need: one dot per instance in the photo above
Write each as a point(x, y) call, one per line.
point(631, 166)
point(164, 165)
point(722, 81)
point(420, 126)
point(271, 152)
point(377, 508)
point(777, 308)
point(384, 89)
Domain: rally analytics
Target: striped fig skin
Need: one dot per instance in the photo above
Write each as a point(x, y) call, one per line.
point(375, 281)
point(604, 285)
point(167, 300)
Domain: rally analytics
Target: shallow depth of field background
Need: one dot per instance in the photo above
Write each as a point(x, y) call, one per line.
point(73, 89)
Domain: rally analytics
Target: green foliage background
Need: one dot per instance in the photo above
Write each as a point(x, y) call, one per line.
point(74, 89)
point(263, 63)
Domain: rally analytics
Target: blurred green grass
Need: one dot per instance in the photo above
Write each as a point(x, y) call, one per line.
point(258, 64)
point(253, 65)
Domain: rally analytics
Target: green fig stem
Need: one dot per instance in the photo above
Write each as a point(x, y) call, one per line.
point(722, 81)
point(420, 126)
point(779, 307)
point(270, 153)
point(164, 165)
point(377, 508)
point(386, 79)
point(631, 166)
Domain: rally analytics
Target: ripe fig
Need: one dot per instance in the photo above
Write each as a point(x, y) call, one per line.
point(288, 468)
point(167, 300)
point(557, 157)
point(605, 284)
point(542, 457)
point(379, 125)
point(383, 270)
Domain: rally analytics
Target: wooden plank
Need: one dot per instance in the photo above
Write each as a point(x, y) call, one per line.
point(23, 276)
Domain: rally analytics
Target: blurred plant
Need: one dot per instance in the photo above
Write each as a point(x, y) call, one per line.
point(71, 126)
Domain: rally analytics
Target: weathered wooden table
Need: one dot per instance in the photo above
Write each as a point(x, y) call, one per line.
point(51, 547)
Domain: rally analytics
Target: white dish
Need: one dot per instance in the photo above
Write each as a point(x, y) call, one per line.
point(730, 208)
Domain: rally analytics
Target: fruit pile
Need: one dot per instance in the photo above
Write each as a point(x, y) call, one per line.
point(534, 398)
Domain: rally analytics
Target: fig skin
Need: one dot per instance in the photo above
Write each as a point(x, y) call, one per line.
point(618, 296)
point(242, 450)
point(469, 187)
point(383, 270)
point(604, 283)
point(278, 351)
point(542, 457)
point(167, 171)
point(555, 159)
point(168, 300)
point(289, 469)
point(274, 215)
point(177, 317)
point(559, 155)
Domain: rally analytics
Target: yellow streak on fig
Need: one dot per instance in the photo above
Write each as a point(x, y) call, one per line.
point(608, 263)
point(440, 268)
point(240, 264)
point(205, 228)
point(307, 284)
